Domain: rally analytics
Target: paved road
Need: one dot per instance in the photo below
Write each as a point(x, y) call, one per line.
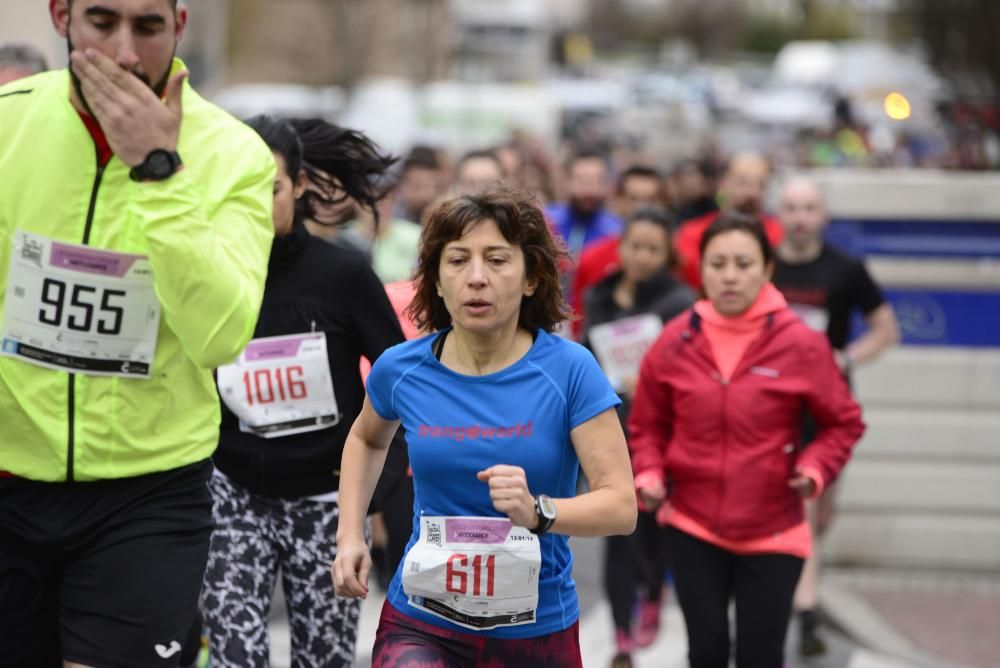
point(596, 632)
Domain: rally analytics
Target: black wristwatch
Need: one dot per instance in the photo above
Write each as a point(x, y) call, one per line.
point(159, 165)
point(546, 510)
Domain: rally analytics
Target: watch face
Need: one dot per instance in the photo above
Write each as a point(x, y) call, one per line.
point(547, 506)
point(159, 164)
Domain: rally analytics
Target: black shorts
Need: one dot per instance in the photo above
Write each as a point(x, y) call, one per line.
point(102, 573)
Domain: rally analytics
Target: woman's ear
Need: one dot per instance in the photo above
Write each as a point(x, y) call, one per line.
point(299, 189)
point(530, 285)
point(769, 270)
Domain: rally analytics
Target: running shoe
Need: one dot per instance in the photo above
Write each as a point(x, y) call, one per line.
point(647, 627)
point(622, 660)
point(810, 642)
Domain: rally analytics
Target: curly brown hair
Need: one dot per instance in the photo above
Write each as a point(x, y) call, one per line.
point(520, 220)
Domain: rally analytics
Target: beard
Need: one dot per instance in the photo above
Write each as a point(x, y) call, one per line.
point(751, 207)
point(157, 88)
point(585, 207)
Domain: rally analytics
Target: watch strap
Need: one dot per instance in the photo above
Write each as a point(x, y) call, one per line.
point(544, 523)
point(143, 171)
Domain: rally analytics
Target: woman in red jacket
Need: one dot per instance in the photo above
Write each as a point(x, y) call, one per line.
point(714, 423)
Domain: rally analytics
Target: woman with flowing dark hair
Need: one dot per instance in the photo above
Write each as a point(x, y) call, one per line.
point(288, 402)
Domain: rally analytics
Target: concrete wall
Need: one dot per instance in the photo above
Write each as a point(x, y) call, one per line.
point(923, 489)
point(924, 486)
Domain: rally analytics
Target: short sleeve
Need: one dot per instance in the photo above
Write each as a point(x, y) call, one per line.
point(864, 292)
point(380, 385)
point(590, 393)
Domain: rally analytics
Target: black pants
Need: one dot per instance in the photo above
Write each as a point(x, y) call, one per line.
point(631, 561)
point(102, 573)
point(707, 577)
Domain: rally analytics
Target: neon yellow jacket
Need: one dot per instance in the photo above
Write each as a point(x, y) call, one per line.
point(207, 231)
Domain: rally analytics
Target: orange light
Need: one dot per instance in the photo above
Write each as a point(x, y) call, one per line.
point(897, 107)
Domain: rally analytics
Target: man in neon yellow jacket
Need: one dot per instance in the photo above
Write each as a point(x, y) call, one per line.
point(135, 227)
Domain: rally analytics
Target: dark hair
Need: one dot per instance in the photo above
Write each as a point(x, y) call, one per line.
point(352, 163)
point(653, 214)
point(421, 157)
point(23, 56)
point(704, 166)
point(642, 171)
point(482, 154)
point(519, 217)
point(172, 2)
point(281, 137)
point(661, 218)
point(737, 221)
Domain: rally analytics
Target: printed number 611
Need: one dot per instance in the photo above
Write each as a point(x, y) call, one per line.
point(457, 575)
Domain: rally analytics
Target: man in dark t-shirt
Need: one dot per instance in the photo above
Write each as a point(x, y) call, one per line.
point(824, 286)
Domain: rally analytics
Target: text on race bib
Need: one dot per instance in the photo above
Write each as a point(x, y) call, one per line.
point(477, 572)
point(281, 385)
point(80, 309)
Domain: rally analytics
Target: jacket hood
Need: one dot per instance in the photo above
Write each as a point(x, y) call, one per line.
point(769, 300)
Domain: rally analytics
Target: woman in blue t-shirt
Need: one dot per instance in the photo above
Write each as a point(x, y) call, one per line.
point(499, 414)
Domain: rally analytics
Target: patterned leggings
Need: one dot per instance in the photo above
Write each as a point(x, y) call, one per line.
point(255, 536)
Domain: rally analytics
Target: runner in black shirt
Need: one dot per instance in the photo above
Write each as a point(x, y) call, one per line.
point(825, 287)
point(288, 404)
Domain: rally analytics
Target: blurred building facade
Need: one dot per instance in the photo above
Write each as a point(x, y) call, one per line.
point(344, 42)
point(501, 41)
point(27, 21)
point(317, 42)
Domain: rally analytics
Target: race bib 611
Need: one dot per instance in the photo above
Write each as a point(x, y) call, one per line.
point(477, 572)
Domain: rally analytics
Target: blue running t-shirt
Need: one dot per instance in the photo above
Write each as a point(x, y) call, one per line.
point(458, 425)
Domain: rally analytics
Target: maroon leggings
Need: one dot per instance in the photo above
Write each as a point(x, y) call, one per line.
point(404, 642)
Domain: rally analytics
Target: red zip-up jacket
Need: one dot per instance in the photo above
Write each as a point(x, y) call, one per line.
point(727, 449)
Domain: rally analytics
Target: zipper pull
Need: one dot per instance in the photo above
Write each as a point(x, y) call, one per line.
point(313, 326)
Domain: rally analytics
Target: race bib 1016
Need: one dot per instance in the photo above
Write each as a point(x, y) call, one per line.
point(477, 572)
point(79, 309)
point(281, 385)
point(620, 344)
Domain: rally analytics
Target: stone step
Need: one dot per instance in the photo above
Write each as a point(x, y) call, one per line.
point(914, 539)
point(918, 377)
point(930, 434)
point(910, 194)
point(908, 486)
